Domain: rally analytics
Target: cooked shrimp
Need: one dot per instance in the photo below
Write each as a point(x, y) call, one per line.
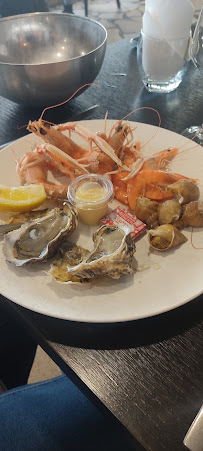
point(52, 136)
point(32, 170)
point(151, 184)
point(159, 160)
point(113, 154)
point(92, 137)
point(118, 135)
point(56, 158)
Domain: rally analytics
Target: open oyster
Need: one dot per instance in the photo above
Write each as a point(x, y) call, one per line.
point(169, 211)
point(38, 240)
point(185, 190)
point(112, 255)
point(147, 211)
point(165, 236)
point(68, 255)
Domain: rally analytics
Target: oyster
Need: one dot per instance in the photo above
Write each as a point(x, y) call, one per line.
point(192, 215)
point(185, 190)
point(169, 211)
point(112, 255)
point(147, 211)
point(165, 236)
point(27, 216)
point(38, 240)
point(69, 254)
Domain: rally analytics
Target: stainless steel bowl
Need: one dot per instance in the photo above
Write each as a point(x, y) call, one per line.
point(46, 57)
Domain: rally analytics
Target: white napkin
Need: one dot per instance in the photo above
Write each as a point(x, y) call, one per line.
point(169, 20)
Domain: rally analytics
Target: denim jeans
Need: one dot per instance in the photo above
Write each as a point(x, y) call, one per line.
point(54, 416)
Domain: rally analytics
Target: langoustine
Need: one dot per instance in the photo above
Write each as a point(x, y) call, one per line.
point(114, 155)
point(69, 158)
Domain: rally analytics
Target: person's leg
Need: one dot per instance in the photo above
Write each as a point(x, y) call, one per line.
point(17, 349)
point(55, 415)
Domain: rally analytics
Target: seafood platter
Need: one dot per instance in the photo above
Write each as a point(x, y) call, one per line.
point(101, 221)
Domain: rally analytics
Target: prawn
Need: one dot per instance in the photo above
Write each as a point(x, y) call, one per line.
point(113, 154)
point(108, 146)
point(151, 184)
point(159, 161)
point(92, 137)
point(32, 168)
point(51, 135)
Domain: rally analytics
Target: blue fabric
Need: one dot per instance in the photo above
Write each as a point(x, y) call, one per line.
point(53, 416)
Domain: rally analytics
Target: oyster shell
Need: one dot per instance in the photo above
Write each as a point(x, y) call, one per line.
point(165, 236)
point(38, 240)
point(27, 216)
point(192, 215)
point(68, 255)
point(147, 211)
point(169, 211)
point(112, 255)
point(185, 190)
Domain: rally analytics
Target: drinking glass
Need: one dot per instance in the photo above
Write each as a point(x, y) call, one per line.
point(196, 55)
point(162, 63)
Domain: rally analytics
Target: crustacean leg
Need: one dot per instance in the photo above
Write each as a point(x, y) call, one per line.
point(92, 137)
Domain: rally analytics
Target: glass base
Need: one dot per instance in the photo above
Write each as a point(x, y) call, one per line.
point(161, 86)
point(190, 133)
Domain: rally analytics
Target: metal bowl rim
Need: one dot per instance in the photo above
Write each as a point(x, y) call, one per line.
point(4, 19)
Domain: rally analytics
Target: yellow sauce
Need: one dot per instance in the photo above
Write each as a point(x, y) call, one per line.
point(89, 203)
point(90, 192)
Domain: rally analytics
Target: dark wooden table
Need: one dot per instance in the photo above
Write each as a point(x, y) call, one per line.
point(147, 373)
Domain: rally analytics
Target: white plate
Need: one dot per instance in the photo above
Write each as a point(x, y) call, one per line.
point(171, 279)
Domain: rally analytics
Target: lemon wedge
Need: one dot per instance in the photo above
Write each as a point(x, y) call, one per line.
point(23, 198)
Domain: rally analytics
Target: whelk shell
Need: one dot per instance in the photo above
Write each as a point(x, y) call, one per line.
point(165, 236)
point(169, 211)
point(147, 211)
point(192, 215)
point(185, 190)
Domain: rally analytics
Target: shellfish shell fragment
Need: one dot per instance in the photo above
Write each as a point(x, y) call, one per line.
point(165, 236)
point(112, 254)
point(169, 211)
point(147, 211)
point(185, 190)
point(38, 240)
